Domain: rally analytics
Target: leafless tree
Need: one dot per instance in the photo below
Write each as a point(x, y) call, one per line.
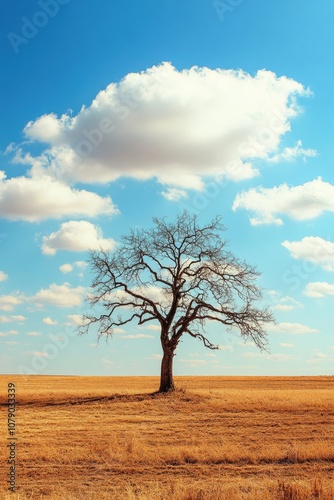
point(181, 275)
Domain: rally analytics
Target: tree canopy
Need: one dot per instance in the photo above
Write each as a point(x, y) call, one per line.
point(181, 275)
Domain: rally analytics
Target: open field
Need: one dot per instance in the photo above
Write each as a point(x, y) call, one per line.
point(217, 438)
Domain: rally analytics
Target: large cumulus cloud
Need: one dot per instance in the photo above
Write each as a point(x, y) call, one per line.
point(175, 126)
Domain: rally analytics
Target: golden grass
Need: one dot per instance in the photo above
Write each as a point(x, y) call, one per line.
point(218, 438)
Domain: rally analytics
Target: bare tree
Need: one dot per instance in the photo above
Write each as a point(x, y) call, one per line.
point(181, 275)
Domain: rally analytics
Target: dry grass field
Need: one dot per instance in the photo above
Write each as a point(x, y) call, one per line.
point(99, 438)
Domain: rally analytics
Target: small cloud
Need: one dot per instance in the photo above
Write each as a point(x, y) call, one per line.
point(119, 330)
point(174, 194)
point(156, 356)
point(66, 268)
point(107, 362)
point(286, 344)
point(156, 328)
point(39, 197)
point(320, 355)
point(292, 153)
point(50, 321)
point(225, 348)
point(280, 357)
point(81, 264)
point(3, 276)
point(210, 355)
point(11, 342)
point(9, 319)
point(76, 236)
point(291, 328)
point(317, 357)
point(319, 289)
point(37, 354)
point(286, 303)
point(304, 202)
point(283, 307)
point(8, 302)
point(18, 317)
point(77, 319)
point(313, 249)
point(10, 332)
point(34, 334)
point(60, 295)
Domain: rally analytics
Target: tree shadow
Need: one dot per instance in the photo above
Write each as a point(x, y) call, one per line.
point(116, 398)
point(178, 394)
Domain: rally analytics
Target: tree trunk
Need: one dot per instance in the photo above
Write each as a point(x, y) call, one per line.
point(166, 378)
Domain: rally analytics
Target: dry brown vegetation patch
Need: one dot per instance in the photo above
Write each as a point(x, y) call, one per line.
point(216, 438)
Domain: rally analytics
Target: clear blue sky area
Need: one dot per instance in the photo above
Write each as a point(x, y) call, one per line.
point(115, 112)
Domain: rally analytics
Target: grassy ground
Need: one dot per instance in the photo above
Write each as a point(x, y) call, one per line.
point(218, 438)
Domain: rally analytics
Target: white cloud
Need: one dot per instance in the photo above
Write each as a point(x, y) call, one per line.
point(313, 249)
point(118, 330)
point(8, 319)
point(155, 293)
point(77, 319)
point(60, 295)
point(50, 321)
point(81, 264)
point(41, 197)
point(10, 332)
point(289, 154)
point(18, 317)
point(225, 348)
point(37, 354)
point(176, 126)
point(76, 236)
point(284, 303)
point(107, 362)
point(317, 357)
point(8, 302)
point(156, 328)
point(304, 202)
point(156, 356)
point(319, 289)
point(280, 357)
point(174, 194)
point(286, 344)
point(283, 307)
point(3, 276)
point(320, 355)
point(64, 268)
point(34, 334)
point(291, 328)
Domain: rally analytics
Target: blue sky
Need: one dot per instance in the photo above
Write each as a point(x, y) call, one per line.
point(112, 113)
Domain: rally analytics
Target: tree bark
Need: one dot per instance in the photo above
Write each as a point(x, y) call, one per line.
point(166, 378)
